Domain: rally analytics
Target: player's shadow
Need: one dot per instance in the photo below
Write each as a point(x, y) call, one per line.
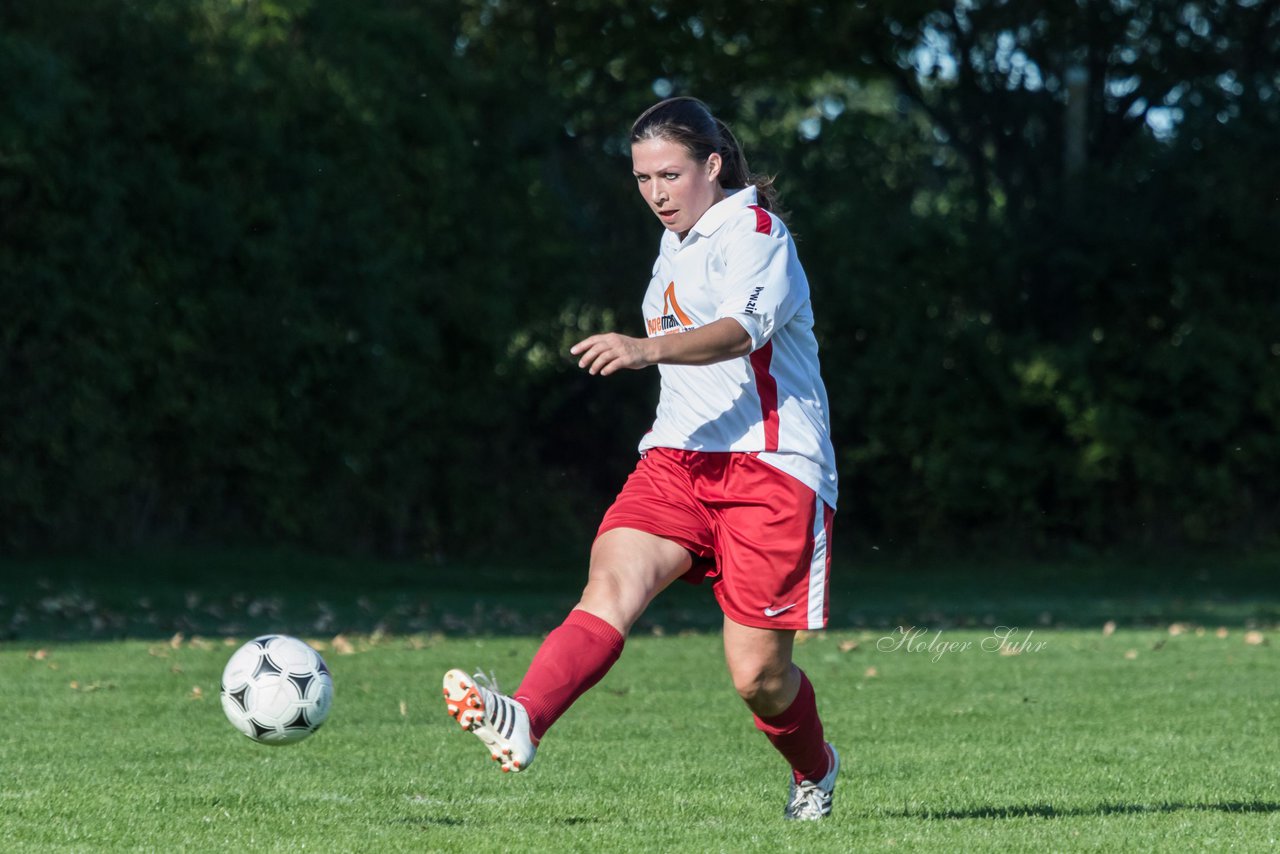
point(433, 821)
point(1050, 811)
point(453, 821)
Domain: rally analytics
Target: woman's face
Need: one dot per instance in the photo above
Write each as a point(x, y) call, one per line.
point(678, 188)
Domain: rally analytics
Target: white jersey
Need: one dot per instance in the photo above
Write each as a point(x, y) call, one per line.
point(739, 261)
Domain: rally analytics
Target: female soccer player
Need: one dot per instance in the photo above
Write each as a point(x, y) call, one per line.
point(736, 481)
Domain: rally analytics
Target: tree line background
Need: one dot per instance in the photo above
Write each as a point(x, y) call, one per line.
point(306, 271)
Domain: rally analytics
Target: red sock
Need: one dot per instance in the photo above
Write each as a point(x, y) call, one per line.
point(574, 657)
point(797, 734)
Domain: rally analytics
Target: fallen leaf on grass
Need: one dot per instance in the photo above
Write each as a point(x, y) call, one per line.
point(91, 687)
point(848, 646)
point(176, 640)
point(1176, 629)
point(200, 643)
point(1254, 638)
point(1221, 632)
point(404, 709)
point(1108, 628)
point(871, 673)
point(196, 693)
point(1131, 654)
point(422, 642)
point(1006, 649)
point(342, 646)
point(38, 655)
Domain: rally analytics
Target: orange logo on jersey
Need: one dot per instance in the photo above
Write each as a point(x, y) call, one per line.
point(673, 319)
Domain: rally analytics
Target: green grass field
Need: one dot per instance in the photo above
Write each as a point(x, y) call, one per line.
point(1156, 733)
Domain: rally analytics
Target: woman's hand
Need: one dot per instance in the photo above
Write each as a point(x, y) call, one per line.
point(610, 352)
point(716, 342)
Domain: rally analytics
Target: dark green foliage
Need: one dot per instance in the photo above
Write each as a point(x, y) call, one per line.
point(307, 269)
point(256, 289)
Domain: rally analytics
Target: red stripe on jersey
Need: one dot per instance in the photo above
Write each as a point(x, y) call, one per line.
point(763, 223)
point(767, 388)
point(766, 385)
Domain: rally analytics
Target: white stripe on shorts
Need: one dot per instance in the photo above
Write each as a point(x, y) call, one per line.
point(818, 566)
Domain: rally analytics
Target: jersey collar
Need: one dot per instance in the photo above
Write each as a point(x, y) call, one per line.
point(717, 215)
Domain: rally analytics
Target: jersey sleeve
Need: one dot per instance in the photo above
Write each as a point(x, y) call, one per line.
point(758, 289)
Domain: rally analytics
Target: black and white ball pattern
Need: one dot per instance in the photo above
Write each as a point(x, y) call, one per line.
point(276, 690)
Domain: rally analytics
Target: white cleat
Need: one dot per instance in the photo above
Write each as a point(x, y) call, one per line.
point(496, 719)
point(810, 801)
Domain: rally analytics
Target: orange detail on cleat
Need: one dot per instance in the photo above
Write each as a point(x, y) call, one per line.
point(467, 705)
point(462, 708)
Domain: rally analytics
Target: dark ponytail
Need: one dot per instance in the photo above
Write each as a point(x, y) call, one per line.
point(688, 122)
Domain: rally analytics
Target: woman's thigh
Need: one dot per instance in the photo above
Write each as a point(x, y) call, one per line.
point(628, 568)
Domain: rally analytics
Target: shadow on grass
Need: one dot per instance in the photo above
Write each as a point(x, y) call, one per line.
point(1050, 811)
point(451, 821)
point(432, 821)
point(222, 594)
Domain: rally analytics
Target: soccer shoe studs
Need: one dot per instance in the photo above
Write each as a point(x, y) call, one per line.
point(496, 719)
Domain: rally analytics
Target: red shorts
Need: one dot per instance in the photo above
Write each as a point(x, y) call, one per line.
point(763, 536)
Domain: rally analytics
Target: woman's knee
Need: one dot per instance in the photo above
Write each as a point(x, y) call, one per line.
point(609, 597)
point(609, 582)
point(627, 569)
point(760, 681)
point(760, 665)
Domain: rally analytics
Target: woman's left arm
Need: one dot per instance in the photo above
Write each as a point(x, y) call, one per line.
point(718, 341)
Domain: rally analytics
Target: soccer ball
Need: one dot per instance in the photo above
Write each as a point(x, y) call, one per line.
point(276, 690)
